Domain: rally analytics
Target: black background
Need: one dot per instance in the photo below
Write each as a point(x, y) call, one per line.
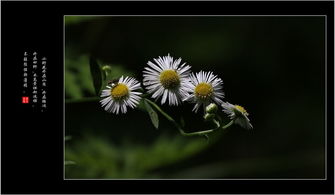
point(38, 26)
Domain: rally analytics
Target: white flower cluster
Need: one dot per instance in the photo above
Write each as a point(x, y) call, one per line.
point(172, 82)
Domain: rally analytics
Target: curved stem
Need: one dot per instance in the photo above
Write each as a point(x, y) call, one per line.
point(180, 129)
point(166, 116)
point(200, 133)
point(228, 125)
point(217, 123)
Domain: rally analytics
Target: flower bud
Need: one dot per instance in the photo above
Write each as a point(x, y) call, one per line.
point(212, 108)
point(106, 68)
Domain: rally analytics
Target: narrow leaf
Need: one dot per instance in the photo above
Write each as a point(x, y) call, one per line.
point(96, 75)
point(152, 113)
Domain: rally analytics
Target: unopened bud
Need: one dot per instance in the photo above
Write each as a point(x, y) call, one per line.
point(212, 108)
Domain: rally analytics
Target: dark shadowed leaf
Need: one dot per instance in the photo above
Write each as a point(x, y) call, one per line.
point(152, 113)
point(96, 75)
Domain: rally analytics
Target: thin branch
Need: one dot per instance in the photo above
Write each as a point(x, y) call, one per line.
point(199, 133)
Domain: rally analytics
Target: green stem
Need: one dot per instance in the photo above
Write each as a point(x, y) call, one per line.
point(217, 123)
point(163, 113)
point(199, 133)
point(228, 125)
point(180, 129)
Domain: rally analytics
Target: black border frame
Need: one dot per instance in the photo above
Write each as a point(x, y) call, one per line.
point(25, 170)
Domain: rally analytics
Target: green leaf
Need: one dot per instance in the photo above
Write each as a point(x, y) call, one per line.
point(96, 75)
point(152, 113)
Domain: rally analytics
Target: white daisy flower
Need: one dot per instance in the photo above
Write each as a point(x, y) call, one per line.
point(168, 79)
point(120, 95)
point(238, 114)
point(204, 89)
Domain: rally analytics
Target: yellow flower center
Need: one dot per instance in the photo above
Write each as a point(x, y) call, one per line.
point(241, 109)
point(203, 91)
point(119, 91)
point(169, 79)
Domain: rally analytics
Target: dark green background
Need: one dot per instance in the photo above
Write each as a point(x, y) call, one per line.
point(273, 66)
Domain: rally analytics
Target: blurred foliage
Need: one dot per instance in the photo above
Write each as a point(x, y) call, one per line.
point(97, 157)
point(273, 66)
point(78, 79)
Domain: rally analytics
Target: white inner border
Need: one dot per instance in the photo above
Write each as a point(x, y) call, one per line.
point(325, 17)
